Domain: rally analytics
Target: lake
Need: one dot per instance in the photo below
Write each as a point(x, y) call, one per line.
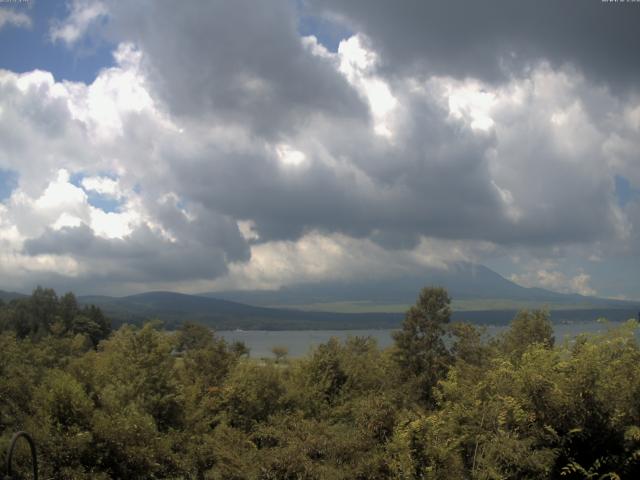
point(300, 342)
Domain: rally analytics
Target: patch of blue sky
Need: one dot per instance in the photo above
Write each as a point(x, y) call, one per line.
point(76, 178)
point(625, 193)
point(23, 49)
point(108, 203)
point(329, 33)
point(8, 183)
point(181, 204)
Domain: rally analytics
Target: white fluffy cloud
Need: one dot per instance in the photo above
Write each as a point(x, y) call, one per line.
point(102, 185)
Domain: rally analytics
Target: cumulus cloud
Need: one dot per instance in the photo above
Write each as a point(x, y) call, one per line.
point(240, 61)
point(102, 185)
point(51, 231)
point(239, 152)
point(495, 39)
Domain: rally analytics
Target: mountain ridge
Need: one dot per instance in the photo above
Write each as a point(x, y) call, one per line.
point(479, 294)
point(6, 296)
point(175, 308)
point(464, 281)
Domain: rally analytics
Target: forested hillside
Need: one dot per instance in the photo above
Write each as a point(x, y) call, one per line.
point(140, 403)
point(175, 308)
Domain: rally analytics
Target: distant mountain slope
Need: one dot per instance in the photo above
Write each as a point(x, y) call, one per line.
point(175, 308)
point(8, 296)
point(464, 281)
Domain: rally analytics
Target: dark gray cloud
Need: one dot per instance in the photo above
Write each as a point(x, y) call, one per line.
point(143, 256)
point(197, 245)
point(241, 60)
point(437, 179)
point(437, 172)
point(495, 39)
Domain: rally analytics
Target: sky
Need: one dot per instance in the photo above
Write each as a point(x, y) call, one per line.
point(203, 146)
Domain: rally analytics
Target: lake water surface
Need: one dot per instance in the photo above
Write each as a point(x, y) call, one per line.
point(301, 342)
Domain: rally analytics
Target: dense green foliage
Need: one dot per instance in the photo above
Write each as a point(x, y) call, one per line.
point(443, 403)
point(45, 314)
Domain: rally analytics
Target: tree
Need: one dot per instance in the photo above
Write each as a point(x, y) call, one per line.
point(326, 375)
point(44, 314)
point(420, 349)
point(468, 346)
point(239, 349)
point(206, 360)
point(135, 368)
point(44, 310)
point(280, 352)
point(192, 336)
point(68, 309)
point(251, 394)
point(527, 328)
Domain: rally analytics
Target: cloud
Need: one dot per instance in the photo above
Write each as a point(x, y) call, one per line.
point(493, 40)
point(238, 152)
point(102, 185)
point(167, 244)
point(242, 62)
point(82, 15)
point(143, 256)
point(336, 257)
point(530, 178)
point(449, 149)
point(50, 230)
point(9, 17)
point(557, 281)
